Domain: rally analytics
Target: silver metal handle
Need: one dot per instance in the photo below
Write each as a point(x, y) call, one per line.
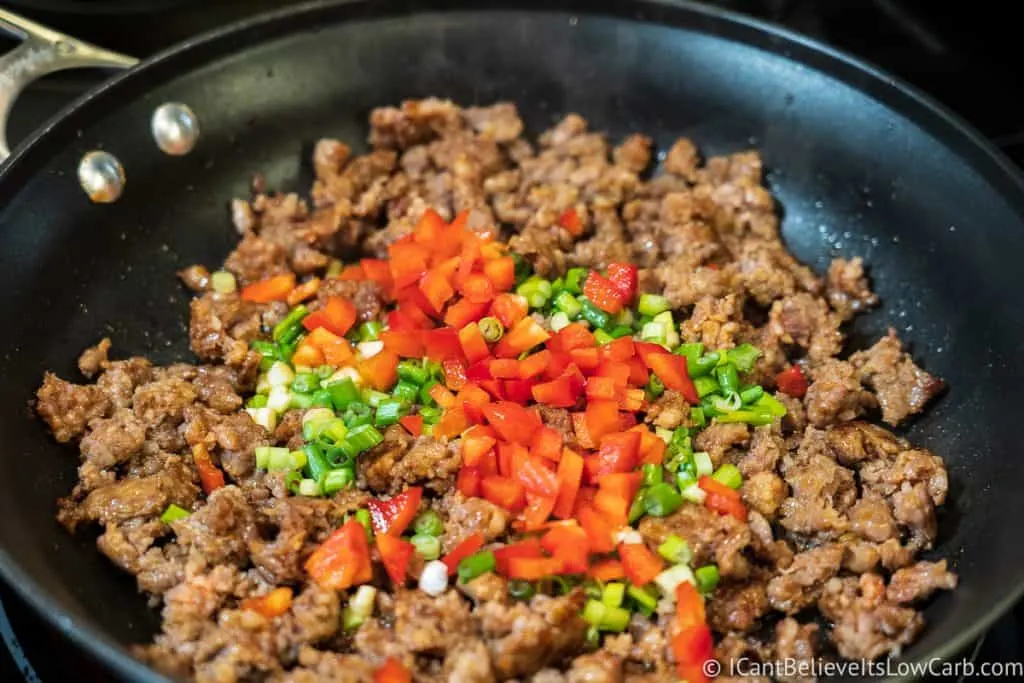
point(42, 51)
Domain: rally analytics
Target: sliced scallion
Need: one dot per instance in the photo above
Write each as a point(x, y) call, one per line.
point(661, 500)
point(357, 414)
point(652, 474)
point(428, 522)
point(476, 565)
point(652, 304)
point(309, 487)
point(429, 547)
point(361, 438)
point(405, 391)
point(173, 513)
point(519, 589)
point(602, 337)
point(336, 480)
point(743, 356)
point(389, 411)
point(370, 331)
point(289, 327)
point(256, 401)
point(559, 321)
point(412, 372)
point(574, 280)
point(491, 329)
point(729, 475)
point(597, 318)
point(706, 578)
point(751, 394)
point(613, 595)
point(705, 386)
point(567, 303)
point(645, 599)
point(675, 549)
point(728, 378)
point(343, 393)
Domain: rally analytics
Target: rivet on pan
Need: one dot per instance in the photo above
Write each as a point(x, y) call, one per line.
point(175, 128)
point(101, 176)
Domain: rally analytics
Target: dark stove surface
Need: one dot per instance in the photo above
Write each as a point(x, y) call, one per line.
point(966, 57)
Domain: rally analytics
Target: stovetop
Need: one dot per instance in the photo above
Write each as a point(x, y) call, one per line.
point(963, 56)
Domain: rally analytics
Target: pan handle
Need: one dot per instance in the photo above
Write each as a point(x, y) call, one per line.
point(41, 52)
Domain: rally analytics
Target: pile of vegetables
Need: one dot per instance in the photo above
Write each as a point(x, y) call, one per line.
point(472, 347)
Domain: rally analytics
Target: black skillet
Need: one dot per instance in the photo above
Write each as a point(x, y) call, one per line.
point(862, 165)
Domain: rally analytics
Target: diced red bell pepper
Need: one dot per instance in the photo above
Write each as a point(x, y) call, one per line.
point(454, 370)
point(210, 476)
point(602, 418)
point(429, 228)
point(619, 452)
point(528, 547)
point(408, 262)
point(537, 476)
point(468, 546)
point(464, 312)
point(274, 288)
point(412, 423)
point(504, 368)
point(509, 309)
point(671, 370)
point(602, 293)
point(393, 671)
point(335, 350)
point(353, 272)
point(562, 392)
point(621, 484)
point(393, 515)
point(616, 371)
point(379, 271)
point(792, 382)
point(692, 647)
point(633, 400)
point(607, 570)
point(652, 447)
point(638, 373)
point(337, 315)
point(690, 607)
point(494, 388)
point(601, 389)
point(395, 553)
point(599, 529)
point(570, 220)
point(479, 371)
point(504, 492)
point(308, 354)
point(518, 390)
point(612, 507)
point(526, 334)
point(512, 421)
point(511, 457)
point(547, 444)
point(568, 542)
point(537, 511)
point(619, 351)
point(624, 277)
point(534, 364)
point(570, 475)
point(409, 316)
point(452, 423)
point(641, 565)
point(722, 499)
point(405, 343)
point(581, 431)
point(442, 343)
point(474, 346)
point(572, 336)
point(380, 371)
point(442, 396)
point(472, 394)
point(273, 604)
point(476, 441)
point(586, 359)
point(468, 482)
point(343, 560)
point(478, 289)
point(501, 272)
point(533, 568)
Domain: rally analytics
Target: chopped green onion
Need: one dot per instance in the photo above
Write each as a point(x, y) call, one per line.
point(594, 611)
point(637, 509)
point(706, 578)
point(363, 517)
point(370, 331)
point(475, 565)
point(645, 599)
point(309, 487)
point(372, 397)
point(537, 291)
point(668, 580)
point(491, 328)
point(703, 365)
point(389, 411)
point(613, 595)
point(661, 500)
point(430, 414)
point(292, 480)
point(425, 398)
point(343, 393)
point(652, 304)
point(559, 321)
point(361, 438)
point(332, 430)
point(316, 462)
point(324, 371)
point(615, 619)
point(336, 480)
point(593, 315)
point(519, 589)
point(669, 325)
point(655, 387)
point(359, 608)
point(267, 351)
point(728, 378)
point(652, 474)
point(702, 463)
point(523, 269)
point(262, 454)
point(280, 375)
point(675, 549)
point(705, 386)
point(729, 475)
point(751, 417)
point(405, 391)
point(602, 337)
point(680, 442)
point(334, 268)
point(413, 372)
point(557, 286)
point(429, 547)
point(574, 280)
point(621, 331)
point(429, 522)
point(305, 383)
point(256, 401)
point(770, 405)
point(693, 493)
point(654, 332)
point(751, 394)
point(317, 415)
point(300, 401)
point(567, 303)
point(357, 414)
point(743, 356)
point(685, 478)
point(697, 416)
point(223, 282)
point(173, 513)
point(291, 325)
point(726, 404)
point(322, 399)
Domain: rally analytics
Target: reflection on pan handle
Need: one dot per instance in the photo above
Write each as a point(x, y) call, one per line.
point(41, 52)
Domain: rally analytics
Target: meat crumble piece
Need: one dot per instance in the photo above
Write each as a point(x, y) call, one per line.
point(902, 388)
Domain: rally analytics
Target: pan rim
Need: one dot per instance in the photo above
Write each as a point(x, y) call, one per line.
point(950, 128)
